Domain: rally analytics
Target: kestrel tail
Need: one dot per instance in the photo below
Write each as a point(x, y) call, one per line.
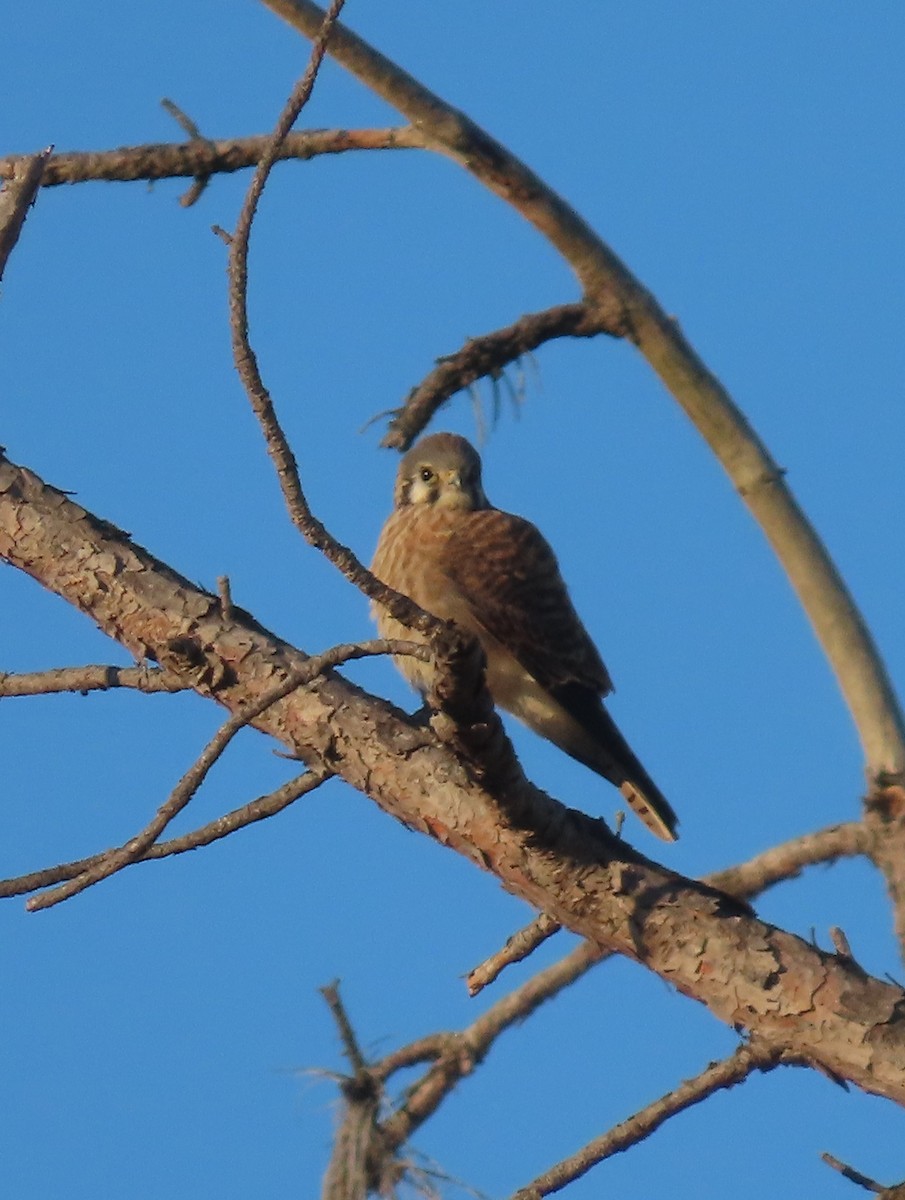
point(494, 574)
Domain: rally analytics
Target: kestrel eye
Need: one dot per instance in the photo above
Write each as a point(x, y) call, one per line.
point(426, 474)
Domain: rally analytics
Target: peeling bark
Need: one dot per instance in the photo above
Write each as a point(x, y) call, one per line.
point(822, 1008)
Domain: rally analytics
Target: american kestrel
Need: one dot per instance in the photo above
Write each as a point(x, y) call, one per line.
point(493, 574)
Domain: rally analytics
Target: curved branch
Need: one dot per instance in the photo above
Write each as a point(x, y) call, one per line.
point(626, 306)
point(486, 355)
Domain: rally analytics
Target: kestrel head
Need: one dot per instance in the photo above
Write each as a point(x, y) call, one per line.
point(443, 470)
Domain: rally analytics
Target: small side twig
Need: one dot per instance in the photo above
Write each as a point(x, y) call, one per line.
point(456, 1054)
point(718, 1076)
point(351, 1048)
point(517, 947)
point(94, 678)
point(202, 178)
point(224, 592)
point(841, 943)
point(256, 810)
point(851, 1174)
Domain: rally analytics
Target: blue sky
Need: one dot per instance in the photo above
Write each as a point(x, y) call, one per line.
point(748, 163)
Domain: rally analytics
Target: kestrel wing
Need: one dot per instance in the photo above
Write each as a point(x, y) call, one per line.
point(506, 572)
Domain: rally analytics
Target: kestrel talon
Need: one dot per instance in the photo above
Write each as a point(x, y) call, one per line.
point(494, 574)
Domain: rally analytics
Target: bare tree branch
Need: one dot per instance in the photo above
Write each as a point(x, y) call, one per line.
point(457, 1054)
point(206, 157)
point(278, 448)
point(788, 859)
point(852, 1175)
point(744, 881)
point(114, 860)
point(256, 810)
point(718, 1076)
point(87, 679)
point(749, 974)
point(16, 196)
point(101, 866)
point(522, 943)
point(483, 356)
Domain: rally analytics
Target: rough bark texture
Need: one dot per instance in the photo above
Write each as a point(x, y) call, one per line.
point(822, 1008)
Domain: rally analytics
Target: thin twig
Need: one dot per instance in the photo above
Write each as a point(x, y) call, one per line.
point(111, 861)
point(847, 840)
point(718, 1076)
point(202, 178)
point(256, 810)
point(351, 1048)
point(517, 947)
point(86, 679)
point(278, 448)
point(460, 1052)
point(851, 1174)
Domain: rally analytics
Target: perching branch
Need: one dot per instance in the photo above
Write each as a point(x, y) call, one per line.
point(749, 974)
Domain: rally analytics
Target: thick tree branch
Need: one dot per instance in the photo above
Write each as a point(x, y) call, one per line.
point(749, 974)
point(16, 196)
point(745, 881)
point(625, 306)
point(455, 1055)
